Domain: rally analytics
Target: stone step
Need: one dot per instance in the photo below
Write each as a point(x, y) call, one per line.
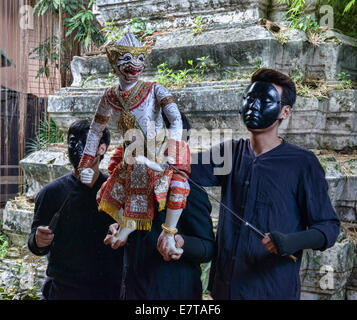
point(241, 48)
point(178, 13)
point(234, 51)
point(325, 123)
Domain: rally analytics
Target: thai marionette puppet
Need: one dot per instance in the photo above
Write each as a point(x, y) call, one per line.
point(130, 191)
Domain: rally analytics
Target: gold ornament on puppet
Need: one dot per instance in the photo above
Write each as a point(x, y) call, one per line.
point(113, 51)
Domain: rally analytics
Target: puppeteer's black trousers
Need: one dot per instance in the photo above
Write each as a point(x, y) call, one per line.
point(54, 289)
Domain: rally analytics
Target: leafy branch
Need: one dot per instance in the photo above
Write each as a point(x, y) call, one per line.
point(349, 5)
point(78, 20)
point(47, 53)
point(84, 27)
point(47, 133)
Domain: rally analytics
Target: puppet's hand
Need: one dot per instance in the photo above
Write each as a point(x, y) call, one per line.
point(86, 175)
point(155, 166)
point(168, 245)
point(113, 238)
point(163, 248)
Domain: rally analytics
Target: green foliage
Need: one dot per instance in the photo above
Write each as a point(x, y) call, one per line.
point(343, 77)
point(85, 81)
point(323, 162)
point(136, 25)
point(305, 23)
point(297, 76)
point(47, 53)
point(111, 32)
point(344, 14)
point(111, 80)
point(296, 7)
point(202, 67)
point(52, 6)
point(79, 19)
point(14, 291)
point(42, 6)
point(349, 5)
point(3, 243)
point(298, 20)
point(83, 24)
point(205, 268)
point(168, 78)
point(47, 133)
point(140, 28)
point(199, 26)
point(195, 72)
point(3, 246)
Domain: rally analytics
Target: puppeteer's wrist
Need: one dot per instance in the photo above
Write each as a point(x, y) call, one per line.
point(279, 240)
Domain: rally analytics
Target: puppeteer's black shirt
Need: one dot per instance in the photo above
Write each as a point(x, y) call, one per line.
point(281, 190)
point(77, 255)
point(149, 277)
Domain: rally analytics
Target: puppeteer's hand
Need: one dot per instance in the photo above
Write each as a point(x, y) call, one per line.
point(86, 175)
point(269, 244)
point(164, 248)
point(112, 238)
point(44, 236)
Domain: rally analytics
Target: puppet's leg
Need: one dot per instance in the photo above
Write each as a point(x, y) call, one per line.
point(123, 233)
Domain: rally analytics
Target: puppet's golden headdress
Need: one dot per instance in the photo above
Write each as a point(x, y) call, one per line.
point(127, 43)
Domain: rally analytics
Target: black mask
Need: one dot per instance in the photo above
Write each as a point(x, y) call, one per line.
point(261, 105)
point(76, 146)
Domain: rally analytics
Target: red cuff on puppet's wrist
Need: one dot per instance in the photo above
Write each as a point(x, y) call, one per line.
point(86, 161)
point(180, 152)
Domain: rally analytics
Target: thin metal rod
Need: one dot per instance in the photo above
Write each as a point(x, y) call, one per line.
point(247, 224)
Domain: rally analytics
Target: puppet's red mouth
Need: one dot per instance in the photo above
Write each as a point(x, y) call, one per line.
point(132, 71)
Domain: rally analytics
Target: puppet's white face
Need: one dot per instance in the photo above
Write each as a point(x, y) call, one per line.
point(130, 67)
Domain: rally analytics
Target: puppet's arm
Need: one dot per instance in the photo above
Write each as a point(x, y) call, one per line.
point(179, 155)
point(173, 115)
point(168, 105)
point(95, 133)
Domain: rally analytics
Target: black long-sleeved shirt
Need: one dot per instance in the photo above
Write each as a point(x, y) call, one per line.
point(150, 277)
point(77, 255)
point(281, 190)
